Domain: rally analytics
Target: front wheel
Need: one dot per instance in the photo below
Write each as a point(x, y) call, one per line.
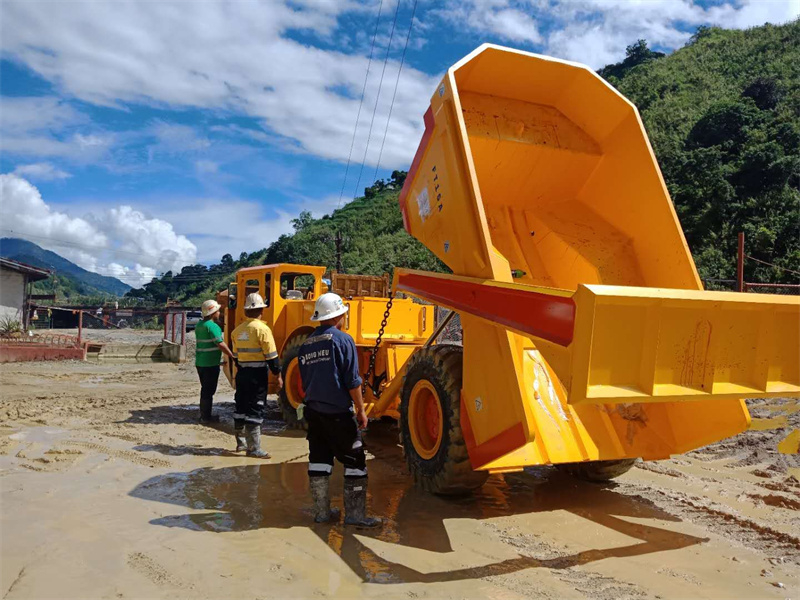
point(430, 423)
point(291, 394)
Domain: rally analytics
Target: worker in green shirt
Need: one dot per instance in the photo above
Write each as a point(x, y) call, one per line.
point(210, 347)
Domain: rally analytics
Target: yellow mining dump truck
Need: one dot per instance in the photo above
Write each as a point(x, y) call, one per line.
point(588, 340)
point(290, 291)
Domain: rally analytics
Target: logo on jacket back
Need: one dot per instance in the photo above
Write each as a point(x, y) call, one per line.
point(310, 356)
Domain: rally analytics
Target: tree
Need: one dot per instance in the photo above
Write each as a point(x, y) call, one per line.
point(398, 179)
point(303, 220)
point(635, 55)
point(764, 91)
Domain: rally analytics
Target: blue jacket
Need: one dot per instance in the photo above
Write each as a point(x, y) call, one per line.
point(329, 370)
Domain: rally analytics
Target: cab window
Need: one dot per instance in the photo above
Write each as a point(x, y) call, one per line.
point(297, 286)
point(232, 295)
point(251, 287)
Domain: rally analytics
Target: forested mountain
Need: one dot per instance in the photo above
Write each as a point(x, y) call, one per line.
point(68, 279)
point(723, 115)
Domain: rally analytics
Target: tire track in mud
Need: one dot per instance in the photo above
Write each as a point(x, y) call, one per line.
point(590, 584)
point(128, 455)
point(726, 523)
point(66, 404)
point(158, 575)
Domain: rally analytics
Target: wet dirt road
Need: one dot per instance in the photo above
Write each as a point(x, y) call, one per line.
point(111, 489)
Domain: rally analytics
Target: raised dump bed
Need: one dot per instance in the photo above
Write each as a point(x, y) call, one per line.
point(587, 335)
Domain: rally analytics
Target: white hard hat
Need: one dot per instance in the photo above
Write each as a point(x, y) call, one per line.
point(209, 307)
point(254, 300)
point(328, 306)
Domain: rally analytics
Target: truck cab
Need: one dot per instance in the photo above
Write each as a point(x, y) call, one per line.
point(290, 292)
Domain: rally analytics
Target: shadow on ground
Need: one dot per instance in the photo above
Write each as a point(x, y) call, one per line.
point(188, 414)
point(246, 498)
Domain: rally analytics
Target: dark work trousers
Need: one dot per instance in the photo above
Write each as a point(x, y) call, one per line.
point(209, 377)
point(251, 388)
point(334, 436)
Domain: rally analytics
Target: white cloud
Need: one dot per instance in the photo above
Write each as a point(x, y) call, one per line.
point(206, 166)
point(42, 170)
point(38, 113)
point(100, 242)
point(232, 225)
point(231, 57)
point(495, 17)
point(596, 32)
point(47, 126)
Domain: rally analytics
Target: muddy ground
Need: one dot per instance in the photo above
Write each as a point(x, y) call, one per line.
point(111, 489)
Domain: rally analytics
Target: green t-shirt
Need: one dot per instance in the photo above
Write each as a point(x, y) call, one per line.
point(208, 335)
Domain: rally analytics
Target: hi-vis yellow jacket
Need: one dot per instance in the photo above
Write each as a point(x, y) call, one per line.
point(253, 344)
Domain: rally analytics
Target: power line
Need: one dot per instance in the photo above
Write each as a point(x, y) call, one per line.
point(396, 83)
point(769, 264)
point(377, 99)
point(360, 104)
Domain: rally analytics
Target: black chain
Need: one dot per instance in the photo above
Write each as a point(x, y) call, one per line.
point(371, 370)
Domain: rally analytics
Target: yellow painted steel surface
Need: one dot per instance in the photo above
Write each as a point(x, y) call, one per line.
point(537, 171)
point(408, 328)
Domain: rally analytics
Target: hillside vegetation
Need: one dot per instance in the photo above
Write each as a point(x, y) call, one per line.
point(68, 281)
point(723, 115)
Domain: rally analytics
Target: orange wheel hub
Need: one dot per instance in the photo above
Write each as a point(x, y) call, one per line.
point(293, 384)
point(425, 419)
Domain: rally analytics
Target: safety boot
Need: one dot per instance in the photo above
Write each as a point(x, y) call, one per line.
point(241, 440)
point(355, 504)
point(320, 494)
point(253, 434)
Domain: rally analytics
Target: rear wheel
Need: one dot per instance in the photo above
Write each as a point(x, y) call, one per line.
point(291, 395)
point(598, 470)
point(430, 423)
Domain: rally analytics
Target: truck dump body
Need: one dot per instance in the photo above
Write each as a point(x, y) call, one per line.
point(586, 333)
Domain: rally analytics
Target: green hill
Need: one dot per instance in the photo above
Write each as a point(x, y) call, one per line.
point(69, 281)
point(723, 115)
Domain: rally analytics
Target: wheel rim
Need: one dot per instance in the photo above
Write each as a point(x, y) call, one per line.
point(425, 419)
point(293, 384)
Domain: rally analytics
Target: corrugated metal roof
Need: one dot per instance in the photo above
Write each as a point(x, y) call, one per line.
point(33, 273)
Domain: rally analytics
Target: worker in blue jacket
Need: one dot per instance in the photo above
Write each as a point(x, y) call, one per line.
point(334, 410)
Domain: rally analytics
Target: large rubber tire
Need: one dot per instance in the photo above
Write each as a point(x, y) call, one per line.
point(288, 410)
point(599, 470)
point(448, 471)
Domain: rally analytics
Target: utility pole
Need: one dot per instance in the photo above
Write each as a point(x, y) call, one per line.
point(740, 287)
point(338, 241)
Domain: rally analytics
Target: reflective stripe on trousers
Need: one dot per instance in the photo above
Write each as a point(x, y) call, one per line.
point(319, 468)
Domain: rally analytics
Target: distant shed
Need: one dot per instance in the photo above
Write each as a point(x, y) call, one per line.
point(15, 280)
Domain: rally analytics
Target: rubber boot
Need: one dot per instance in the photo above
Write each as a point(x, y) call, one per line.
point(252, 432)
point(355, 503)
point(241, 440)
point(320, 494)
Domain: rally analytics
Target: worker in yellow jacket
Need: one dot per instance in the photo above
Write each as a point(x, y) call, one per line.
point(256, 355)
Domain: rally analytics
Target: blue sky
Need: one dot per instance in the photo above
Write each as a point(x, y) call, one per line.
point(138, 137)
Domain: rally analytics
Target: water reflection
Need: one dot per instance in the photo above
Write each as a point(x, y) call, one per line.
point(243, 498)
